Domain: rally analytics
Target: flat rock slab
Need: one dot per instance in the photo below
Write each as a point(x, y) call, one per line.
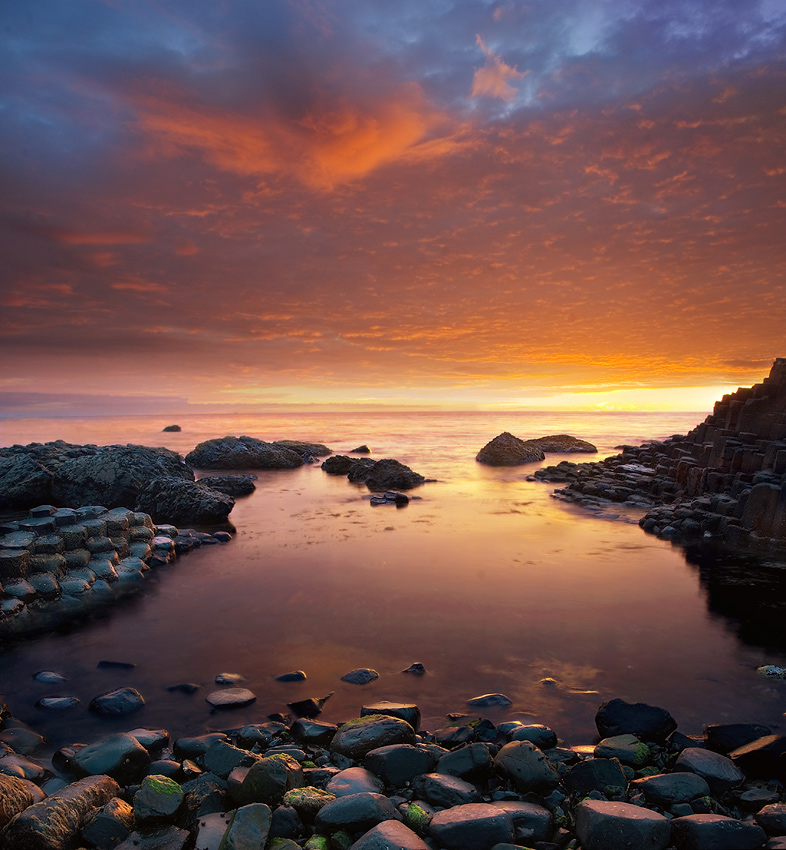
point(474, 826)
point(715, 832)
point(605, 825)
point(231, 698)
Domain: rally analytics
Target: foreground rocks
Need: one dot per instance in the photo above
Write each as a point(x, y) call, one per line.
point(57, 564)
point(378, 475)
point(507, 450)
point(725, 480)
point(377, 783)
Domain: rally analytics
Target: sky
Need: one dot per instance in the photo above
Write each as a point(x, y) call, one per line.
point(555, 203)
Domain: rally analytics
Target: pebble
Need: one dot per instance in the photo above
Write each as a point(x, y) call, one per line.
point(231, 698)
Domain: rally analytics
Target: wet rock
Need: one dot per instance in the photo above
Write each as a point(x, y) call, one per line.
point(229, 678)
point(417, 669)
point(628, 749)
point(526, 766)
point(310, 707)
point(186, 502)
point(312, 732)
point(603, 825)
point(354, 780)
point(161, 838)
point(360, 676)
point(222, 758)
point(355, 812)
point(158, 798)
point(531, 822)
point(267, 780)
point(725, 737)
point(487, 700)
point(242, 453)
point(109, 825)
point(538, 734)
point(120, 756)
point(716, 832)
point(474, 826)
point(598, 774)
point(307, 801)
point(720, 772)
point(389, 835)
point(507, 450)
point(303, 448)
point(117, 702)
point(398, 764)
point(648, 722)
point(24, 482)
point(472, 760)
point(55, 823)
point(171, 428)
point(668, 789)
point(115, 475)
point(445, 790)
point(358, 737)
point(231, 698)
point(385, 474)
point(249, 827)
point(294, 676)
point(404, 711)
point(196, 746)
point(185, 688)
point(341, 464)
point(15, 796)
point(772, 819)
point(563, 443)
point(764, 758)
point(57, 703)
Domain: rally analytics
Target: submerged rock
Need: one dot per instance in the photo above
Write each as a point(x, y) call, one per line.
point(385, 474)
point(563, 443)
point(242, 453)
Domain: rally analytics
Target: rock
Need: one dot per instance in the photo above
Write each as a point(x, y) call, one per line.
point(668, 789)
point(563, 443)
point(109, 825)
point(172, 428)
point(764, 758)
point(354, 780)
point(24, 482)
point(526, 767)
point(242, 453)
point(197, 746)
point(357, 737)
point(725, 737)
point(267, 780)
point(14, 563)
point(120, 756)
point(389, 835)
point(488, 700)
point(54, 823)
point(304, 449)
point(184, 502)
point(231, 698)
point(158, 798)
point(598, 774)
point(385, 474)
point(715, 832)
point(230, 485)
point(604, 825)
point(307, 801)
point(398, 764)
point(355, 812)
point(115, 476)
point(360, 676)
point(473, 760)
point(117, 701)
point(15, 797)
point(720, 773)
point(310, 707)
point(404, 711)
point(507, 450)
point(312, 732)
point(648, 722)
point(294, 676)
point(342, 465)
point(417, 669)
point(229, 678)
point(530, 821)
point(57, 703)
point(361, 450)
point(248, 828)
point(627, 748)
point(772, 671)
point(222, 758)
point(162, 838)
point(772, 819)
point(444, 790)
point(474, 826)
point(185, 688)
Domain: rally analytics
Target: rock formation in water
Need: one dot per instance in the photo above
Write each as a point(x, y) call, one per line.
point(507, 450)
point(725, 479)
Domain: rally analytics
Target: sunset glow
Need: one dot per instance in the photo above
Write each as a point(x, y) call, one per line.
point(559, 205)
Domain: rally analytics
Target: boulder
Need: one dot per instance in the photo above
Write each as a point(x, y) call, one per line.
point(353, 780)
point(172, 428)
point(355, 812)
point(385, 474)
point(116, 702)
point(267, 780)
point(668, 789)
point(54, 823)
point(158, 798)
point(715, 832)
point(398, 764)
point(231, 698)
point(389, 835)
point(109, 825)
point(357, 737)
point(720, 772)
point(342, 465)
point(444, 790)
point(603, 775)
point(230, 485)
point(304, 449)
point(360, 676)
point(24, 482)
point(526, 766)
point(764, 758)
point(120, 756)
point(474, 826)
point(604, 825)
point(507, 450)
point(15, 797)
point(184, 502)
point(249, 827)
point(648, 722)
point(115, 475)
point(563, 443)
point(242, 453)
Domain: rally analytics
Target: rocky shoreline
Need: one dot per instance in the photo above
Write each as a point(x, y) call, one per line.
point(724, 481)
point(379, 782)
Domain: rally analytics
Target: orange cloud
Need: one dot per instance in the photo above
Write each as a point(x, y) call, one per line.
point(494, 78)
point(107, 237)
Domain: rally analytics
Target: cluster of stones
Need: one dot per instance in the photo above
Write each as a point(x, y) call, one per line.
point(378, 475)
point(725, 479)
point(380, 783)
point(58, 563)
point(508, 450)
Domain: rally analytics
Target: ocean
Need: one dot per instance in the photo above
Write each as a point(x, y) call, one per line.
point(484, 578)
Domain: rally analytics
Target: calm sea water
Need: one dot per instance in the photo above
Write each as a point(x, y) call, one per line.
point(485, 579)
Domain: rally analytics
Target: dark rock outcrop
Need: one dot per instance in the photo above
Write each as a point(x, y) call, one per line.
point(172, 428)
point(24, 482)
point(231, 485)
point(242, 453)
point(184, 502)
point(507, 450)
point(115, 475)
point(563, 444)
point(385, 474)
point(303, 448)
